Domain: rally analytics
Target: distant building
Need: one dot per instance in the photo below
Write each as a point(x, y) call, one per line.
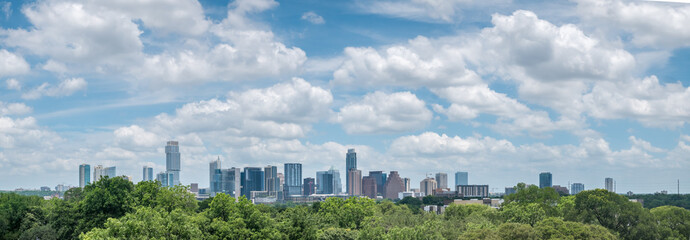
point(442, 180)
point(111, 172)
point(281, 181)
point(328, 182)
point(354, 177)
point(84, 175)
point(380, 177)
point(560, 189)
point(545, 180)
point(473, 190)
point(271, 181)
point(394, 185)
point(252, 179)
point(194, 187)
point(62, 188)
point(494, 203)
point(147, 174)
point(369, 187)
point(630, 193)
point(576, 188)
point(350, 164)
point(229, 182)
point(427, 186)
point(609, 185)
point(309, 186)
point(461, 178)
point(214, 175)
point(98, 173)
point(165, 178)
point(172, 162)
point(45, 189)
point(407, 183)
point(510, 190)
point(293, 179)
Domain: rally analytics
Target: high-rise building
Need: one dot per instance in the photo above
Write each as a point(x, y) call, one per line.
point(165, 178)
point(84, 175)
point(215, 177)
point(98, 173)
point(461, 178)
point(229, 182)
point(111, 172)
point(172, 162)
point(350, 163)
point(354, 184)
point(281, 181)
point(337, 185)
point(324, 182)
point(407, 183)
point(609, 185)
point(545, 180)
point(293, 179)
point(194, 187)
point(427, 186)
point(308, 187)
point(369, 187)
point(147, 174)
point(442, 180)
point(473, 190)
point(271, 180)
point(394, 185)
point(380, 177)
point(576, 188)
point(510, 190)
point(252, 179)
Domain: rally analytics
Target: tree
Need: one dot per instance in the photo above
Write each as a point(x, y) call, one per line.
point(298, 223)
point(556, 228)
point(517, 231)
point(461, 211)
point(146, 193)
point(337, 234)
point(13, 209)
point(529, 213)
point(674, 220)
point(240, 219)
point(615, 212)
point(103, 199)
point(176, 197)
point(348, 213)
point(149, 223)
point(413, 203)
point(547, 198)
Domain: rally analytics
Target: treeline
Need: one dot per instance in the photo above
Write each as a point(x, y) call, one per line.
point(114, 208)
point(658, 200)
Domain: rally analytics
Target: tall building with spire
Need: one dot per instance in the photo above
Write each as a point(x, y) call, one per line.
point(172, 162)
point(350, 164)
point(84, 175)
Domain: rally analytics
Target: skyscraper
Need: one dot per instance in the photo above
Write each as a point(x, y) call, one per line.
point(461, 178)
point(214, 175)
point(350, 163)
point(111, 172)
point(427, 186)
point(545, 180)
point(172, 162)
point(442, 180)
point(380, 177)
point(230, 182)
point(394, 185)
point(369, 187)
point(165, 178)
point(576, 188)
point(354, 183)
point(271, 181)
point(147, 174)
point(97, 172)
point(408, 184)
point(324, 182)
point(84, 175)
point(293, 179)
point(252, 179)
point(608, 184)
point(308, 187)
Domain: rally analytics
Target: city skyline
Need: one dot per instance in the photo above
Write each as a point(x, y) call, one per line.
point(503, 90)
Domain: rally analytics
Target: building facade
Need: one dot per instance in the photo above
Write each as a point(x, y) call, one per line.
point(442, 180)
point(394, 185)
point(461, 178)
point(380, 177)
point(252, 179)
point(350, 163)
point(172, 162)
point(215, 177)
point(576, 188)
point(147, 174)
point(545, 180)
point(309, 186)
point(84, 175)
point(354, 184)
point(369, 187)
point(293, 179)
point(271, 181)
point(609, 185)
point(407, 183)
point(473, 190)
point(427, 186)
point(229, 182)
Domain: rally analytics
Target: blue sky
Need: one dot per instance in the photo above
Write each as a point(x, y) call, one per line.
point(502, 89)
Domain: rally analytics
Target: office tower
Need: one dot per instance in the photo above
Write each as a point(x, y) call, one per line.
point(442, 180)
point(293, 179)
point(560, 190)
point(84, 175)
point(111, 172)
point(461, 178)
point(271, 180)
point(369, 187)
point(473, 190)
point(98, 173)
point(147, 174)
point(281, 181)
point(394, 185)
point(407, 183)
point(576, 188)
point(337, 185)
point(380, 177)
point(509, 190)
point(545, 180)
point(427, 186)
point(172, 161)
point(252, 179)
point(214, 177)
point(308, 187)
point(608, 184)
point(350, 163)
point(324, 182)
point(229, 182)
point(165, 178)
point(194, 187)
point(354, 185)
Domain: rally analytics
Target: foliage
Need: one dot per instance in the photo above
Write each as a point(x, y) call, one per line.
point(673, 221)
point(616, 213)
point(657, 200)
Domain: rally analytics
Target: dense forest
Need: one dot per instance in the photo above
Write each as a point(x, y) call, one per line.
point(114, 208)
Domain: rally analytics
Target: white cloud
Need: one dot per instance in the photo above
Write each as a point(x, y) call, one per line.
point(14, 109)
point(422, 10)
point(6, 9)
point(312, 17)
point(13, 84)
point(655, 25)
point(135, 136)
point(379, 112)
point(166, 16)
point(12, 64)
point(66, 87)
point(24, 133)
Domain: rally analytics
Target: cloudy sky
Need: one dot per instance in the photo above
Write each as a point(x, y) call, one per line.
point(585, 89)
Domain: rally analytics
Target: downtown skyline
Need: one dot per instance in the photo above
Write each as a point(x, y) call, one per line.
point(503, 90)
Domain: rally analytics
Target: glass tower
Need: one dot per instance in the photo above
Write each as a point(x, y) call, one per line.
point(460, 179)
point(214, 175)
point(293, 179)
point(172, 162)
point(350, 164)
point(271, 181)
point(576, 188)
point(545, 180)
point(252, 179)
point(147, 174)
point(229, 181)
point(442, 180)
point(84, 175)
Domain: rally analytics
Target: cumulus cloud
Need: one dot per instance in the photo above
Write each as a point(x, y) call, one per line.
point(379, 112)
point(421, 10)
point(12, 64)
point(13, 84)
point(312, 17)
point(14, 109)
point(66, 87)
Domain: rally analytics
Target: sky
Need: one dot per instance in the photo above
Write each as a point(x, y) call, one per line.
point(504, 90)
